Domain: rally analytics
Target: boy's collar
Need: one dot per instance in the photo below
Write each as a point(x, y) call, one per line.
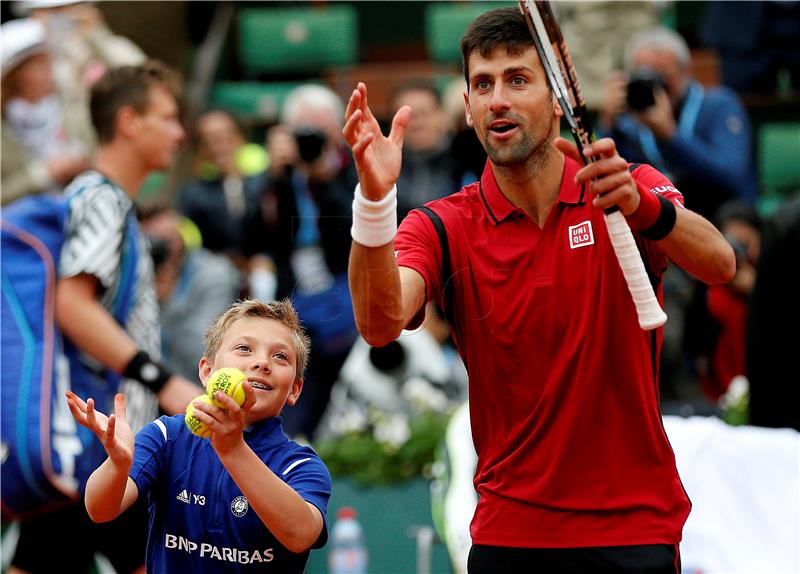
point(267, 425)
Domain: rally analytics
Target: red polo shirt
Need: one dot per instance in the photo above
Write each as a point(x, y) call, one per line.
point(563, 382)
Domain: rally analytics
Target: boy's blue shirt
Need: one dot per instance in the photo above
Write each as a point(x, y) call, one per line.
point(199, 519)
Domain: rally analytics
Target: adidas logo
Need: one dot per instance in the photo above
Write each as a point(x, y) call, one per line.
point(183, 496)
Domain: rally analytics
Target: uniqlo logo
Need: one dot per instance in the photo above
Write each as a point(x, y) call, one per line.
point(581, 235)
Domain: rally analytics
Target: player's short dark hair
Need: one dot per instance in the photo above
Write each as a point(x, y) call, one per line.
point(502, 27)
point(127, 86)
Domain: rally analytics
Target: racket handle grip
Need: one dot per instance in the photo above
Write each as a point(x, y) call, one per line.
point(630, 261)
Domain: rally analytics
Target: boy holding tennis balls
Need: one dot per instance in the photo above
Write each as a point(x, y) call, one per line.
point(248, 499)
point(227, 380)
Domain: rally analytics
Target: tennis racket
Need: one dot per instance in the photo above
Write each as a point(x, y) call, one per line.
point(561, 75)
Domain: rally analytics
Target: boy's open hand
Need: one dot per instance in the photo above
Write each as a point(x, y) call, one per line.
point(114, 432)
point(377, 158)
point(226, 424)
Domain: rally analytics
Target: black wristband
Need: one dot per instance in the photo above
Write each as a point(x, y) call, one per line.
point(665, 222)
point(148, 372)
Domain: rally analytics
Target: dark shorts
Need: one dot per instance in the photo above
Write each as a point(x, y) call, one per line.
point(641, 559)
point(66, 540)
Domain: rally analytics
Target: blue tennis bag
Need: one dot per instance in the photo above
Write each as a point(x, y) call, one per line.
point(46, 455)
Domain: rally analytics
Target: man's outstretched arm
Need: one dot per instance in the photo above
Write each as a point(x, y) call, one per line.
point(385, 296)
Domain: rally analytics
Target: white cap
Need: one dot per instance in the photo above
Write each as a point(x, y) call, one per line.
point(21, 39)
point(24, 7)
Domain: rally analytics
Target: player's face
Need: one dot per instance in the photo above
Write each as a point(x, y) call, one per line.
point(510, 106)
point(158, 130)
point(264, 351)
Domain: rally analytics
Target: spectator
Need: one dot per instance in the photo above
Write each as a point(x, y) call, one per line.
point(40, 153)
point(698, 137)
point(225, 190)
point(716, 321)
point(135, 114)
point(83, 48)
point(431, 170)
point(304, 225)
point(193, 286)
point(772, 322)
point(755, 41)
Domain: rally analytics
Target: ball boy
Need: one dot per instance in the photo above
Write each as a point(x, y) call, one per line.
point(246, 500)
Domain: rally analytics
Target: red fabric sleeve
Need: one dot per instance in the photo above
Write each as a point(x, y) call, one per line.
point(417, 247)
point(650, 180)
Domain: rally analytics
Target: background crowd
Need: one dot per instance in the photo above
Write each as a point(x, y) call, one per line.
point(257, 201)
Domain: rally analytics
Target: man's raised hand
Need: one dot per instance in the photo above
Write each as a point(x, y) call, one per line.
point(378, 158)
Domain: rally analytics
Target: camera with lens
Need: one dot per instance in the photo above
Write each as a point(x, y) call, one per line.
point(159, 250)
point(389, 359)
point(310, 142)
point(641, 89)
point(739, 250)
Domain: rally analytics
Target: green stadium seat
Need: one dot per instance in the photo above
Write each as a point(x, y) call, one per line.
point(445, 23)
point(778, 163)
point(297, 40)
point(779, 156)
point(254, 101)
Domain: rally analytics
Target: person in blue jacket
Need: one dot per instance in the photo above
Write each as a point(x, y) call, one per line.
point(248, 499)
point(699, 137)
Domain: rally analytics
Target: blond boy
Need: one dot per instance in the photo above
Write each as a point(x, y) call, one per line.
point(247, 499)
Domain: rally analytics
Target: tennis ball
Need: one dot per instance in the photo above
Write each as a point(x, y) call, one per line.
point(229, 381)
point(252, 159)
point(195, 425)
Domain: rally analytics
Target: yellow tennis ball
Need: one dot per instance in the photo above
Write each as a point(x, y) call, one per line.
point(229, 381)
point(195, 425)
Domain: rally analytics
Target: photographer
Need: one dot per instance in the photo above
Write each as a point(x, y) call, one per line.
point(716, 322)
point(304, 226)
point(701, 139)
point(658, 114)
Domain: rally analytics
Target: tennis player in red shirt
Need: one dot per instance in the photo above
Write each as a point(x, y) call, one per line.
point(575, 472)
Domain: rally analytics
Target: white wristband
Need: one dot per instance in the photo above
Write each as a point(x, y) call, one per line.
point(374, 222)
